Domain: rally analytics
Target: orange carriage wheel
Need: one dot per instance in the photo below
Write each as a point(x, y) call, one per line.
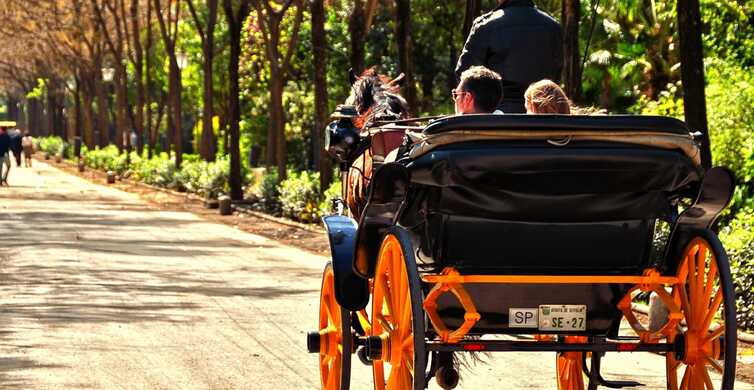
point(335, 339)
point(397, 318)
point(570, 366)
point(707, 333)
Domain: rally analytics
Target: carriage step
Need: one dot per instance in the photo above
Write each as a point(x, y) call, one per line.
point(313, 342)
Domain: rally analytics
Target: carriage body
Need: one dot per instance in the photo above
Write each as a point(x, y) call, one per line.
point(497, 215)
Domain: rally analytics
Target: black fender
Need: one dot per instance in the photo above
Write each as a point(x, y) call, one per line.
point(715, 194)
point(387, 192)
point(351, 290)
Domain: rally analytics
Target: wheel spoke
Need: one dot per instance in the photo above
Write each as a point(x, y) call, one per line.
point(715, 333)
point(671, 371)
point(701, 265)
point(398, 283)
point(712, 362)
point(393, 378)
point(685, 380)
point(405, 318)
point(712, 310)
point(707, 380)
point(328, 311)
point(387, 295)
point(409, 362)
point(386, 326)
point(407, 380)
point(379, 375)
point(685, 304)
point(693, 294)
point(711, 275)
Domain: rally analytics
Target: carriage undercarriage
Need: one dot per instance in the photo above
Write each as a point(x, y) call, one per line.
point(406, 319)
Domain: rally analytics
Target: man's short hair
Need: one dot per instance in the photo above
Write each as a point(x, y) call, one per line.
point(485, 85)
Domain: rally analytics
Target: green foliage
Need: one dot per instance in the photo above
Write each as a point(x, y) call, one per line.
point(738, 240)
point(730, 29)
point(300, 197)
point(52, 145)
point(106, 159)
point(331, 194)
point(159, 171)
point(206, 178)
point(667, 104)
point(269, 193)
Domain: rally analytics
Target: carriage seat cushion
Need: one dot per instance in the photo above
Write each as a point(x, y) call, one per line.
point(561, 130)
point(611, 123)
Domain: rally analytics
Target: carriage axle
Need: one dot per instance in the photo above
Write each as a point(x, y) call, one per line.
point(540, 346)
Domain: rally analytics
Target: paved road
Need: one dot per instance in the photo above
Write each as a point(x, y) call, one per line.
point(100, 290)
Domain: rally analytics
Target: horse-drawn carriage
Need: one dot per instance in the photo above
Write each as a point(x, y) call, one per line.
point(540, 227)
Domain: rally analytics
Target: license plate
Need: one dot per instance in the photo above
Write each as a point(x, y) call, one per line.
point(522, 317)
point(562, 317)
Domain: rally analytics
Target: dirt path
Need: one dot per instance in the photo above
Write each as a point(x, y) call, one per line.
point(102, 290)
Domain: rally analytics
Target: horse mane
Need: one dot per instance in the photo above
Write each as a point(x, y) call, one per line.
point(377, 97)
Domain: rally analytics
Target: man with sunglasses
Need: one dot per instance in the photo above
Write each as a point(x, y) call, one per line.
point(480, 91)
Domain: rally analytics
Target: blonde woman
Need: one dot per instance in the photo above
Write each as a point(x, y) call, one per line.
point(546, 97)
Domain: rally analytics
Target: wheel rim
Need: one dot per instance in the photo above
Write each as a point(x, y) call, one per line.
point(570, 367)
point(392, 320)
point(701, 296)
point(332, 347)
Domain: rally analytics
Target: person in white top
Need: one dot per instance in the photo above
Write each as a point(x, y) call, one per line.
point(480, 91)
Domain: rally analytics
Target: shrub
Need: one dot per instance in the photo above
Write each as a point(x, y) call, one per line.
point(207, 178)
point(269, 193)
point(53, 145)
point(300, 197)
point(331, 194)
point(738, 239)
point(159, 171)
point(190, 174)
point(106, 159)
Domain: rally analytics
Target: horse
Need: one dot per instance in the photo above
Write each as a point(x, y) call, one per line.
point(376, 98)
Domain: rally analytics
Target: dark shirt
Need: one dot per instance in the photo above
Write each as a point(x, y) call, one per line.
point(4, 143)
point(520, 42)
point(15, 141)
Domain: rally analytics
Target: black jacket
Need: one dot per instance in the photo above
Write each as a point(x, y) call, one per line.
point(518, 41)
point(4, 143)
point(15, 141)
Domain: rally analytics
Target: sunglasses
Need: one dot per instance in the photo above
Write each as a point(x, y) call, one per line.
point(456, 94)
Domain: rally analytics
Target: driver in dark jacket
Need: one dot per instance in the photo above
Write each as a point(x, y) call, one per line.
point(519, 42)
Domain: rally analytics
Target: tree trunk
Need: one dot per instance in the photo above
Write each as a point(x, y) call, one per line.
point(322, 160)
point(208, 144)
point(51, 108)
point(121, 108)
point(101, 132)
point(692, 73)
point(357, 30)
point(277, 122)
point(572, 55)
point(236, 192)
point(78, 128)
point(149, 93)
point(87, 111)
point(12, 105)
point(138, 73)
point(405, 50)
point(175, 109)
point(33, 115)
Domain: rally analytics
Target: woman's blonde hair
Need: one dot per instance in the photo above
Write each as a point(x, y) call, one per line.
point(546, 97)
